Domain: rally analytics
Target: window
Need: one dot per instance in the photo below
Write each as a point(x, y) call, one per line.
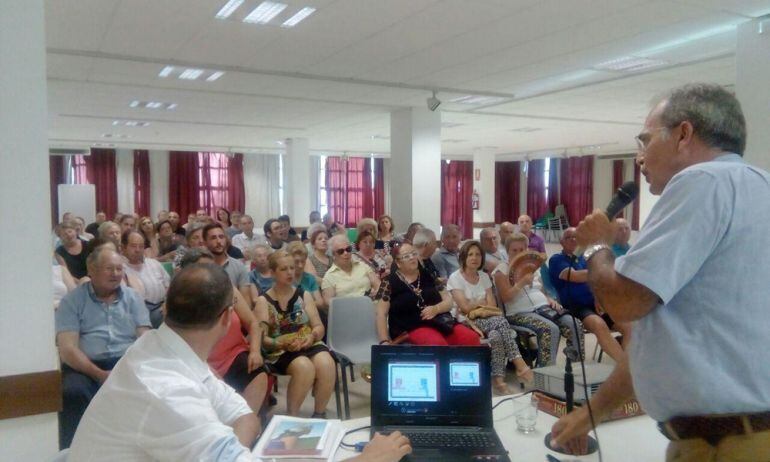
point(546, 174)
point(77, 171)
point(322, 205)
point(213, 180)
point(280, 184)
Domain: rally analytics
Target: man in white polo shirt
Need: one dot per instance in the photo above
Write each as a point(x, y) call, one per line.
point(149, 272)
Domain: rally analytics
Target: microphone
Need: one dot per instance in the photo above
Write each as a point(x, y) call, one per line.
point(625, 194)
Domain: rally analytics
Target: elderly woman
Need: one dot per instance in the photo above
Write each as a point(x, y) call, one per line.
point(109, 230)
point(318, 262)
point(302, 278)
point(261, 276)
point(411, 303)
point(366, 253)
point(293, 340)
point(471, 288)
point(167, 241)
point(527, 305)
point(346, 277)
point(194, 240)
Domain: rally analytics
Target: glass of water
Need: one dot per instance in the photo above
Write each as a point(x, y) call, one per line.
point(526, 417)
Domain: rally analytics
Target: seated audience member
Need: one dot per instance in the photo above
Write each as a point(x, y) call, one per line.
point(315, 217)
point(411, 303)
point(63, 283)
point(385, 228)
point(194, 239)
point(232, 250)
point(365, 253)
point(191, 219)
point(622, 236)
point(200, 214)
point(127, 222)
point(569, 276)
point(424, 241)
point(410, 232)
point(235, 359)
point(471, 288)
point(302, 355)
point(303, 279)
point(318, 262)
point(370, 226)
point(506, 229)
point(291, 233)
point(72, 253)
point(110, 231)
point(223, 218)
point(527, 305)
point(332, 227)
point(346, 277)
point(153, 278)
point(81, 226)
point(247, 239)
point(95, 324)
point(261, 276)
point(235, 224)
point(445, 258)
point(150, 235)
point(215, 240)
point(175, 221)
point(525, 227)
point(93, 228)
point(276, 234)
point(493, 254)
point(167, 241)
point(162, 215)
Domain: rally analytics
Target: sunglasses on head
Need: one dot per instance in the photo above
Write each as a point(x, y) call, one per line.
point(348, 249)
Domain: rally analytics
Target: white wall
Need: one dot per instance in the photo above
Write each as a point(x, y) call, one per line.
point(602, 183)
point(752, 89)
point(159, 182)
point(124, 159)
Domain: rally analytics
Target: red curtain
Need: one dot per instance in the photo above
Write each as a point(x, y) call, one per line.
point(142, 182)
point(536, 203)
point(635, 212)
point(57, 176)
point(374, 191)
point(183, 186)
point(102, 173)
point(236, 192)
point(507, 191)
point(553, 183)
point(617, 178)
point(79, 170)
point(456, 192)
point(354, 204)
point(335, 188)
point(577, 187)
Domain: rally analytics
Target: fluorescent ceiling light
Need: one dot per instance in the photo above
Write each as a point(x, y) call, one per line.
point(166, 71)
point(476, 99)
point(215, 76)
point(228, 9)
point(171, 106)
point(134, 103)
point(299, 16)
point(630, 64)
point(153, 105)
point(191, 74)
point(265, 12)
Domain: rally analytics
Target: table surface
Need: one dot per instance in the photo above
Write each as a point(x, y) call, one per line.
point(635, 439)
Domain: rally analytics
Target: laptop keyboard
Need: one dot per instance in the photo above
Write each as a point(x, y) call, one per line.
point(454, 439)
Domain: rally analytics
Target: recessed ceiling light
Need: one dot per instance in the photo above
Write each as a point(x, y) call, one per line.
point(191, 74)
point(265, 12)
point(215, 76)
point(630, 64)
point(134, 103)
point(171, 106)
point(166, 71)
point(299, 16)
point(477, 99)
point(153, 105)
point(228, 9)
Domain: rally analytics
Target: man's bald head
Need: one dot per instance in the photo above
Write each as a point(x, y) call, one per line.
point(198, 296)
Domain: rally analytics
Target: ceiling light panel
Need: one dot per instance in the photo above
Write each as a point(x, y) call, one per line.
point(630, 64)
point(152, 105)
point(265, 12)
point(228, 9)
point(166, 71)
point(214, 76)
point(298, 17)
point(191, 74)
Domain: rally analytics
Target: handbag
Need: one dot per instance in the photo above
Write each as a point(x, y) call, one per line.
point(485, 312)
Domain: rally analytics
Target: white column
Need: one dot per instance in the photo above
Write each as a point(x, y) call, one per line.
point(26, 312)
point(297, 180)
point(523, 188)
point(158, 182)
point(415, 152)
point(753, 72)
point(484, 170)
point(602, 183)
point(125, 180)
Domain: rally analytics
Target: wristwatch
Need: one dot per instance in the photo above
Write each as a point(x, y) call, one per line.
point(593, 249)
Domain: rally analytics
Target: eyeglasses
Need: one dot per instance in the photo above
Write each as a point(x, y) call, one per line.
point(348, 249)
point(407, 256)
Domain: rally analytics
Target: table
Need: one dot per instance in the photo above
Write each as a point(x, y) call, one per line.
point(636, 439)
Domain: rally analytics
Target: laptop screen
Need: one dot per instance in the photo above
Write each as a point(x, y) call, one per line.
point(431, 385)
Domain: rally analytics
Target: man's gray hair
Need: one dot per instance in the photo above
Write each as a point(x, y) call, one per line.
point(192, 228)
point(487, 231)
point(192, 256)
point(96, 255)
point(423, 237)
point(450, 228)
point(338, 238)
point(714, 113)
point(102, 229)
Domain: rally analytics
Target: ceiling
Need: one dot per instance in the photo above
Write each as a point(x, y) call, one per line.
point(336, 76)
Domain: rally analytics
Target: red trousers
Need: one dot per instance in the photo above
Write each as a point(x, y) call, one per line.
point(461, 335)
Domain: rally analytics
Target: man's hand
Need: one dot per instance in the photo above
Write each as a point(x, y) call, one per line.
point(255, 360)
point(389, 448)
point(571, 431)
point(595, 229)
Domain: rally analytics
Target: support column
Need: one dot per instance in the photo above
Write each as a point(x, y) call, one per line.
point(296, 184)
point(125, 180)
point(159, 183)
point(26, 311)
point(484, 186)
point(415, 179)
point(753, 72)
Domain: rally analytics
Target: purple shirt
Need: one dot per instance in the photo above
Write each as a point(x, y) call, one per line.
point(536, 242)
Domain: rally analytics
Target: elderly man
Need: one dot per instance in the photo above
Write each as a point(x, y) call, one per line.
point(93, 228)
point(446, 257)
point(347, 277)
point(525, 227)
point(620, 244)
point(162, 216)
point(506, 229)
point(153, 278)
point(247, 240)
point(95, 324)
point(424, 241)
point(235, 224)
point(696, 363)
point(276, 233)
point(175, 220)
point(163, 403)
point(494, 253)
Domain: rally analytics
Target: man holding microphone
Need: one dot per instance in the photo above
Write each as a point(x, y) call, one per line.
point(692, 284)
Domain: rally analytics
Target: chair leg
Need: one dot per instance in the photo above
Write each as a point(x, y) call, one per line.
point(337, 391)
point(345, 396)
point(352, 373)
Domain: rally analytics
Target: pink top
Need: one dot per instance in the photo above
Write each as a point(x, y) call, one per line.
point(230, 346)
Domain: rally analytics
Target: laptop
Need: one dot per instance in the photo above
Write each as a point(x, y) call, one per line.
point(440, 397)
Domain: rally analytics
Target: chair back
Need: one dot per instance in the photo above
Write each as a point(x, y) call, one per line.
point(548, 286)
point(559, 211)
point(352, 329)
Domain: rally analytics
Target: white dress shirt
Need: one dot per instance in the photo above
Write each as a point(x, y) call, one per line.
point(161, 402)
point(244, 242)
point(155, 280)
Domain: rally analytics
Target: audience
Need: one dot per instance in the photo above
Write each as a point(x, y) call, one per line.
point(332, 227)
point(365, 253)
point(622, 235)
point(385, 228)
point(127, 222)
point(81, 226)
point(445, 258)
point(424, 241)
point(174, 219)
point(235, 224)
point(370, 226)
point(318, 262)
point(63, 283)
point(72, 252)
point(223, 218)
point(110, 231)
point(291, 233)
point(93, 228)
point(506, 229)
point(346, 277)
point(247, 239)
point(304, 279)
point(153, 279)
point(490, 244)
point(215, 240)
point(569, 276)
point(413, 306)
point(162, 216)
point(471, 288)
point(276, 233)
point(525, 227)
point(410, 232)
point(194, 239)
point(261, 276)
point(293, 341)
point(315, 217)
point(167, 241)
point(150, 236)
point(527, 305)
point(95, 324)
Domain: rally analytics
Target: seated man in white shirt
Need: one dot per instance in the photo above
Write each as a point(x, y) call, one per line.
point(247, 239)
point(149, 272)
point(163, 403)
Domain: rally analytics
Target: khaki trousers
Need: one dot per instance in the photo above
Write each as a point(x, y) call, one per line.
point(754, 447)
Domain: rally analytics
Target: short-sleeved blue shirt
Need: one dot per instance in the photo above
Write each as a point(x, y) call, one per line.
point(307, 282)
point(106, 330)
point(571, 294)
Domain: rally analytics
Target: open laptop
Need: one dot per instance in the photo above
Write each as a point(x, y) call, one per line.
point(440, 397)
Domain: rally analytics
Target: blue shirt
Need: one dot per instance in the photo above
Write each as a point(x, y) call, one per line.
point(704, 251)
point(307, 282)
point(263, 283)
point(571, 294)
point(106, 330)
point(446, 262)
point(620, 250)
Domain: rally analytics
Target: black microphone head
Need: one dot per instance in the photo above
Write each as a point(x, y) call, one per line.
point(623, 196)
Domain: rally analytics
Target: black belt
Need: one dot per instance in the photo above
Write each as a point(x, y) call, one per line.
point(713, 428)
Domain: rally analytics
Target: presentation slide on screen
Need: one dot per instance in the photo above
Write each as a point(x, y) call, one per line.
point(412, 382)
point(464, 374)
